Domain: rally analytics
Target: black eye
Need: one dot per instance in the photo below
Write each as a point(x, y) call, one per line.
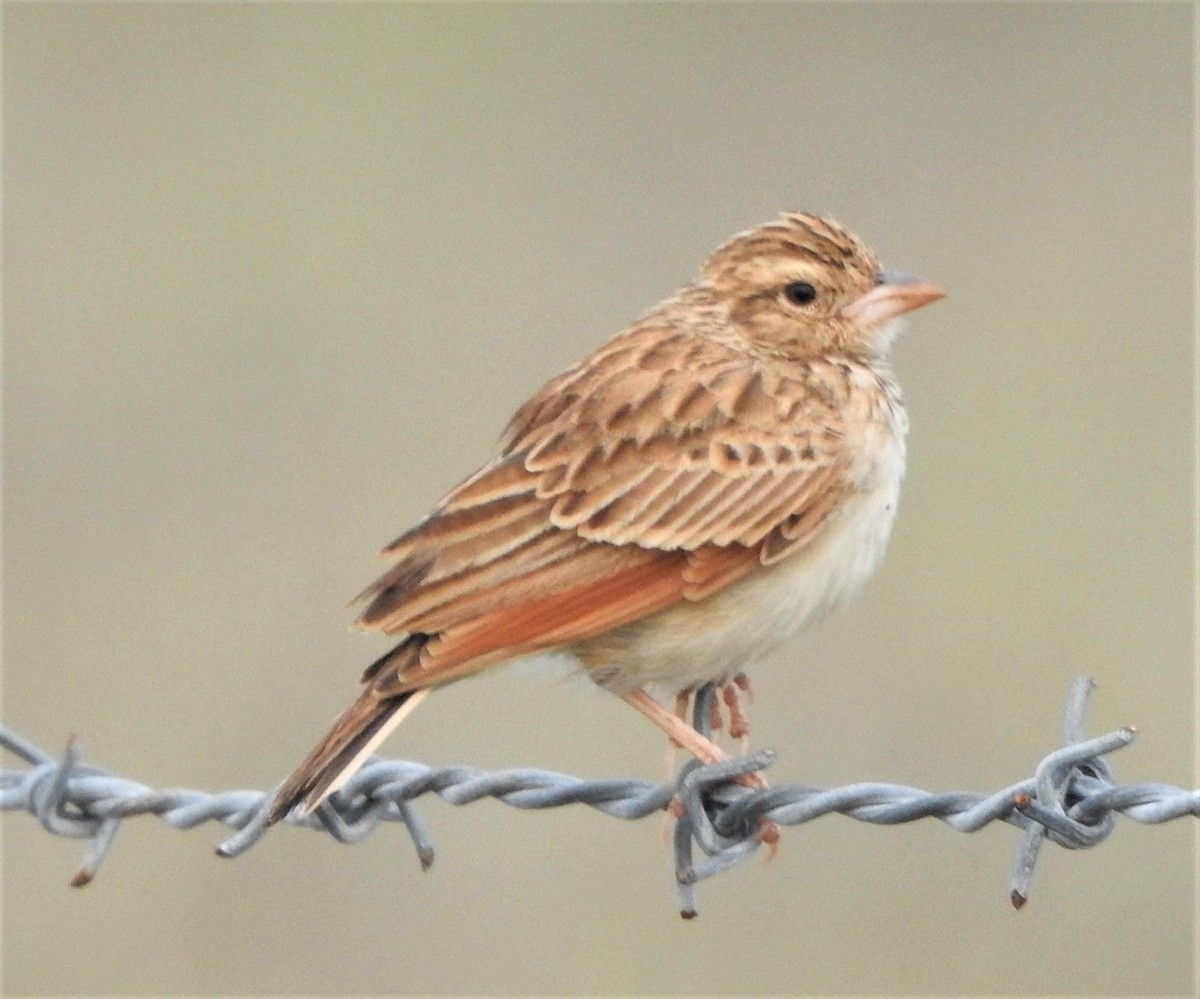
point(799, 292)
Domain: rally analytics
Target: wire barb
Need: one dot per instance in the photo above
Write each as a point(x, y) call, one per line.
point(1071, 800)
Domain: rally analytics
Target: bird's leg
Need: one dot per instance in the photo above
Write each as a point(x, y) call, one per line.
point(681, 703)
point(675, 808)
point(681, 707)
point(700, 747)
point(731, 693)
point(679, 730)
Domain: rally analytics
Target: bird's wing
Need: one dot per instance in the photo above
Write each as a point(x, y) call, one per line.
point(653, 473)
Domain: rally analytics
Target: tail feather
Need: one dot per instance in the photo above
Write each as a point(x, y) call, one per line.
point(355, 735)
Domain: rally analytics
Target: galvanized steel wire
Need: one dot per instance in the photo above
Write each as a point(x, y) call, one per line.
point(1072, 800)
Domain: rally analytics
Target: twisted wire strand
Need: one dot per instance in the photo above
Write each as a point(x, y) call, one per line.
point(1071, 800)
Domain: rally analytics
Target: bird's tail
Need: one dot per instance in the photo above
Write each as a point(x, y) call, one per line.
point(355, 735)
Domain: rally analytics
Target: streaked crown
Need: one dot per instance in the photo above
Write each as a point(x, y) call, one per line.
point(795, 236)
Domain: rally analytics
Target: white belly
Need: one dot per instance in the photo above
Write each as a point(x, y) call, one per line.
point(738, 627)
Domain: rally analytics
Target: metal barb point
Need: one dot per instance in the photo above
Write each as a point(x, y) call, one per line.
point(1051, 811)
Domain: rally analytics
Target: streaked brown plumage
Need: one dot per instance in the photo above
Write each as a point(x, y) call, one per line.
point(670, 508)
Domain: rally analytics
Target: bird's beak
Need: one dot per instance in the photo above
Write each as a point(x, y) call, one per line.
point(893, 295)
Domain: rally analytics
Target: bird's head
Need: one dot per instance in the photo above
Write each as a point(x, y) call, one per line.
point(804, 286)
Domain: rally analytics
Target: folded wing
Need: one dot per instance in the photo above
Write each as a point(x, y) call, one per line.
point(654, 472)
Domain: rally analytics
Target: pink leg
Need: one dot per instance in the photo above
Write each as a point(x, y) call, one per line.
point(715, 721)
point(700, 747)
point(681, 706)
point(682, 699)
point(739, 724)
point(679, 730)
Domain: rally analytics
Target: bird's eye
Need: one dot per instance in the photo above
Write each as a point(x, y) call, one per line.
point(799, 292)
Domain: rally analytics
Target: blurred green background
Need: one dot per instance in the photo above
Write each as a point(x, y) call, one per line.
point(276, 275)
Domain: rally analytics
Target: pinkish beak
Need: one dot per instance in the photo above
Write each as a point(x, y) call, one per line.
point(894, 295)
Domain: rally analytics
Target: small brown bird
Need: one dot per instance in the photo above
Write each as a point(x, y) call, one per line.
point(670, 509)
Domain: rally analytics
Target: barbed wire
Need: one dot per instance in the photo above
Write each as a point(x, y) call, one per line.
point(1072, 800)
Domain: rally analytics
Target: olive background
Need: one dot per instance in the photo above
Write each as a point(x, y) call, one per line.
point(275, 275)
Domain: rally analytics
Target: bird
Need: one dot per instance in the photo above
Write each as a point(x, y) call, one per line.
point(669, 510)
